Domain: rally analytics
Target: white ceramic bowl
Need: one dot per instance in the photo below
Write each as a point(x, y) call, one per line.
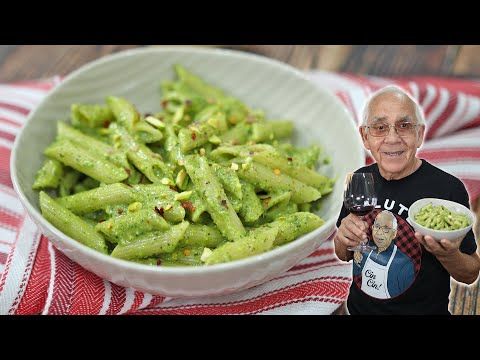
point(437, 234)
point(282, 91)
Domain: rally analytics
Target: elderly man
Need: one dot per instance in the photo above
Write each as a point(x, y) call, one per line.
point(393, 129)
point(388, 271)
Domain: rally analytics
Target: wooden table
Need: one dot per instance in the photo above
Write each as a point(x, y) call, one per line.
point(22, 62)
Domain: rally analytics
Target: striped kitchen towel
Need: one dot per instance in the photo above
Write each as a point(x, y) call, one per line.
point(35, 278)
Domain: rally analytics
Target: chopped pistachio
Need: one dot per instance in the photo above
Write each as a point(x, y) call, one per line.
point(155, 122)
point(213, 122)
point(206, 254)
point(181, 176)
point(178, 115)
point(215, 140)
point(183, 195)
point(167, 181)
point(134, 206)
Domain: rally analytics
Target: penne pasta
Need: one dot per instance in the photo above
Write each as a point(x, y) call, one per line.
point(203, 181)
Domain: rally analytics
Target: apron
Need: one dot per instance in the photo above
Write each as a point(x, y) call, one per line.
point(374, 277)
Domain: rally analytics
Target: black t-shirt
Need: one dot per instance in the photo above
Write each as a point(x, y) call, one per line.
point(415, 281)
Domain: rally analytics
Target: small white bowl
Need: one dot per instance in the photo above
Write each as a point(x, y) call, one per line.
point(440, 234)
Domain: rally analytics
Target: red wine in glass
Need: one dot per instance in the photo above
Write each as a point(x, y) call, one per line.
point(360, 199)
point(360, 210)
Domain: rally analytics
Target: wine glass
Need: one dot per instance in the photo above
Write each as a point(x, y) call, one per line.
point(360, 199)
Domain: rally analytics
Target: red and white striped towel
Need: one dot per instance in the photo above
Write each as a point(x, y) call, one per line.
point(35, 278)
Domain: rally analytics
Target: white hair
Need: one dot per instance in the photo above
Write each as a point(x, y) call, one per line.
point(391, 216)
point(419, 115)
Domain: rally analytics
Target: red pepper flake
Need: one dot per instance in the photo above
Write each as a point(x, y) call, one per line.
point(119, 211)
point(159, 211)
point(159, 262)
point(106, 124)
point(128, 171)
point(289, 158)
point(224, 203)
point(164, 103)
point(187, 205)
point(174, 188)
point(194, 136)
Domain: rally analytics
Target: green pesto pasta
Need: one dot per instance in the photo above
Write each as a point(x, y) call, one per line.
point(205, 180)
point(440, 218)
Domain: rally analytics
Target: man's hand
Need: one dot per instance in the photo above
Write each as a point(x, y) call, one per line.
point(441, 249)
point(352, 231)
point(462, 267)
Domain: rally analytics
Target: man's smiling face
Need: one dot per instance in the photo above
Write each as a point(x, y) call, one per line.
point(394, 154)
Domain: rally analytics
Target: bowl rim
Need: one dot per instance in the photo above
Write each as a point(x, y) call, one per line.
point(177, 270)
point(411, 216)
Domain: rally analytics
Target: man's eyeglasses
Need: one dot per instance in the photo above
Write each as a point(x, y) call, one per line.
point(403, 128)
point(385, 229)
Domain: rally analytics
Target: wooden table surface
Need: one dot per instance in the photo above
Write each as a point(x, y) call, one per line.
point(25, 62)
